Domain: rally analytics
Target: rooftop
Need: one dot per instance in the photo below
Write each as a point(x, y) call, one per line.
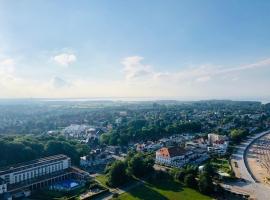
point(171, 151)
point(32, 163)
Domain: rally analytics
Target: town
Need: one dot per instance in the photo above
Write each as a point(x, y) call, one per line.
point(191, 142)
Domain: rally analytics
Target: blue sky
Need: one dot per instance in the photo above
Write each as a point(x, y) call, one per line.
point(162, 49)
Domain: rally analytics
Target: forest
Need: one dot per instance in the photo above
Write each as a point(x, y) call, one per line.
point(17, 149)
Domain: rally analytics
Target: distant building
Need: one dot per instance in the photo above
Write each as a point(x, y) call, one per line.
point(214, 138)
point(217, 144)
point(22, 178)
point(200, 142)
point(123, 113)
point(76, 131)
point(148, 146)
point(96, 157)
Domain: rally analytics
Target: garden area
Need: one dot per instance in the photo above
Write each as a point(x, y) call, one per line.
point(221, 164)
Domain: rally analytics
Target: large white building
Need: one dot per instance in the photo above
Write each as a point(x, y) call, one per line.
point(35, 169)
point(178, 157)
point(171, 156)
point(36, 174)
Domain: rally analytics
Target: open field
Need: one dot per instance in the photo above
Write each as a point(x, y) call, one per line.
point(162, 190)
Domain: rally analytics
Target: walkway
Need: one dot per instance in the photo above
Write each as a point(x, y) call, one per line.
point(257, 190)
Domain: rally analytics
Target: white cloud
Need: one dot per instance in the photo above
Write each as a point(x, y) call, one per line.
point(65, 59)
point(143, 80)
point(135, 69)
point(203, 79)
point(205, 73)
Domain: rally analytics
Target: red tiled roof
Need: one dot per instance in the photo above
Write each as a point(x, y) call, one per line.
point(171, 151)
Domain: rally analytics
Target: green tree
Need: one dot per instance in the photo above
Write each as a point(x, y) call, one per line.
point(190, 180)
point(140, 165)
point(237, 135)
point(205, 184)
point(117, 174)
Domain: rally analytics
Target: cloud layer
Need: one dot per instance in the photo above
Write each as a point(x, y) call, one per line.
point(141, 80)
point(65, 59)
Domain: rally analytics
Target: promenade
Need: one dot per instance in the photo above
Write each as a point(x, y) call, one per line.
point(248, 183)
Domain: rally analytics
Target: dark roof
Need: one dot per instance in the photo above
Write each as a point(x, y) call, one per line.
point(176, 151)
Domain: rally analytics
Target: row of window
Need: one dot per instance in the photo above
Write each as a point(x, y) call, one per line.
point(40, 171)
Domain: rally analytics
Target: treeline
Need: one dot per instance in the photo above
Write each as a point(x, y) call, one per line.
point(17, 149)
point(140, 130)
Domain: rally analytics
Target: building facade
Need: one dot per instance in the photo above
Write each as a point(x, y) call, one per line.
point(35, 169)
point(36, 174)
point(217, 144)
point(178, 157)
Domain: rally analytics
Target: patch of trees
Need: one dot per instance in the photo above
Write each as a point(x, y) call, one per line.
point(205, 182)
point(17, 149)
point(137, 165)
point(237, 135)
point(191, 177)
point(138, 130)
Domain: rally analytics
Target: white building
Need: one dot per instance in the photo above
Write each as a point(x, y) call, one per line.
point(214, 138)
point(218, 148)
point(96, 157)
point(35, 169)
point(36, 174)
point(218, 144)
point(178, 157)
point(172, 156)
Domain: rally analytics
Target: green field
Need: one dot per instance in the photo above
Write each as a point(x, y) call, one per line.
point(102, 179)
point(163, 190)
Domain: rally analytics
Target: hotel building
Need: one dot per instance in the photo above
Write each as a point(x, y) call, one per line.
point(37, 174)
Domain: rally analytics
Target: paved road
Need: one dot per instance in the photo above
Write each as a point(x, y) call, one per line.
point(257, 190)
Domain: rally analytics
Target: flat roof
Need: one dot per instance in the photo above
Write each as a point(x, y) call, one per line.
point(32, 163)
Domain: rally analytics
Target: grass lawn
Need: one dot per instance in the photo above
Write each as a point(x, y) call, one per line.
point(162, 190)
point(102, 179)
